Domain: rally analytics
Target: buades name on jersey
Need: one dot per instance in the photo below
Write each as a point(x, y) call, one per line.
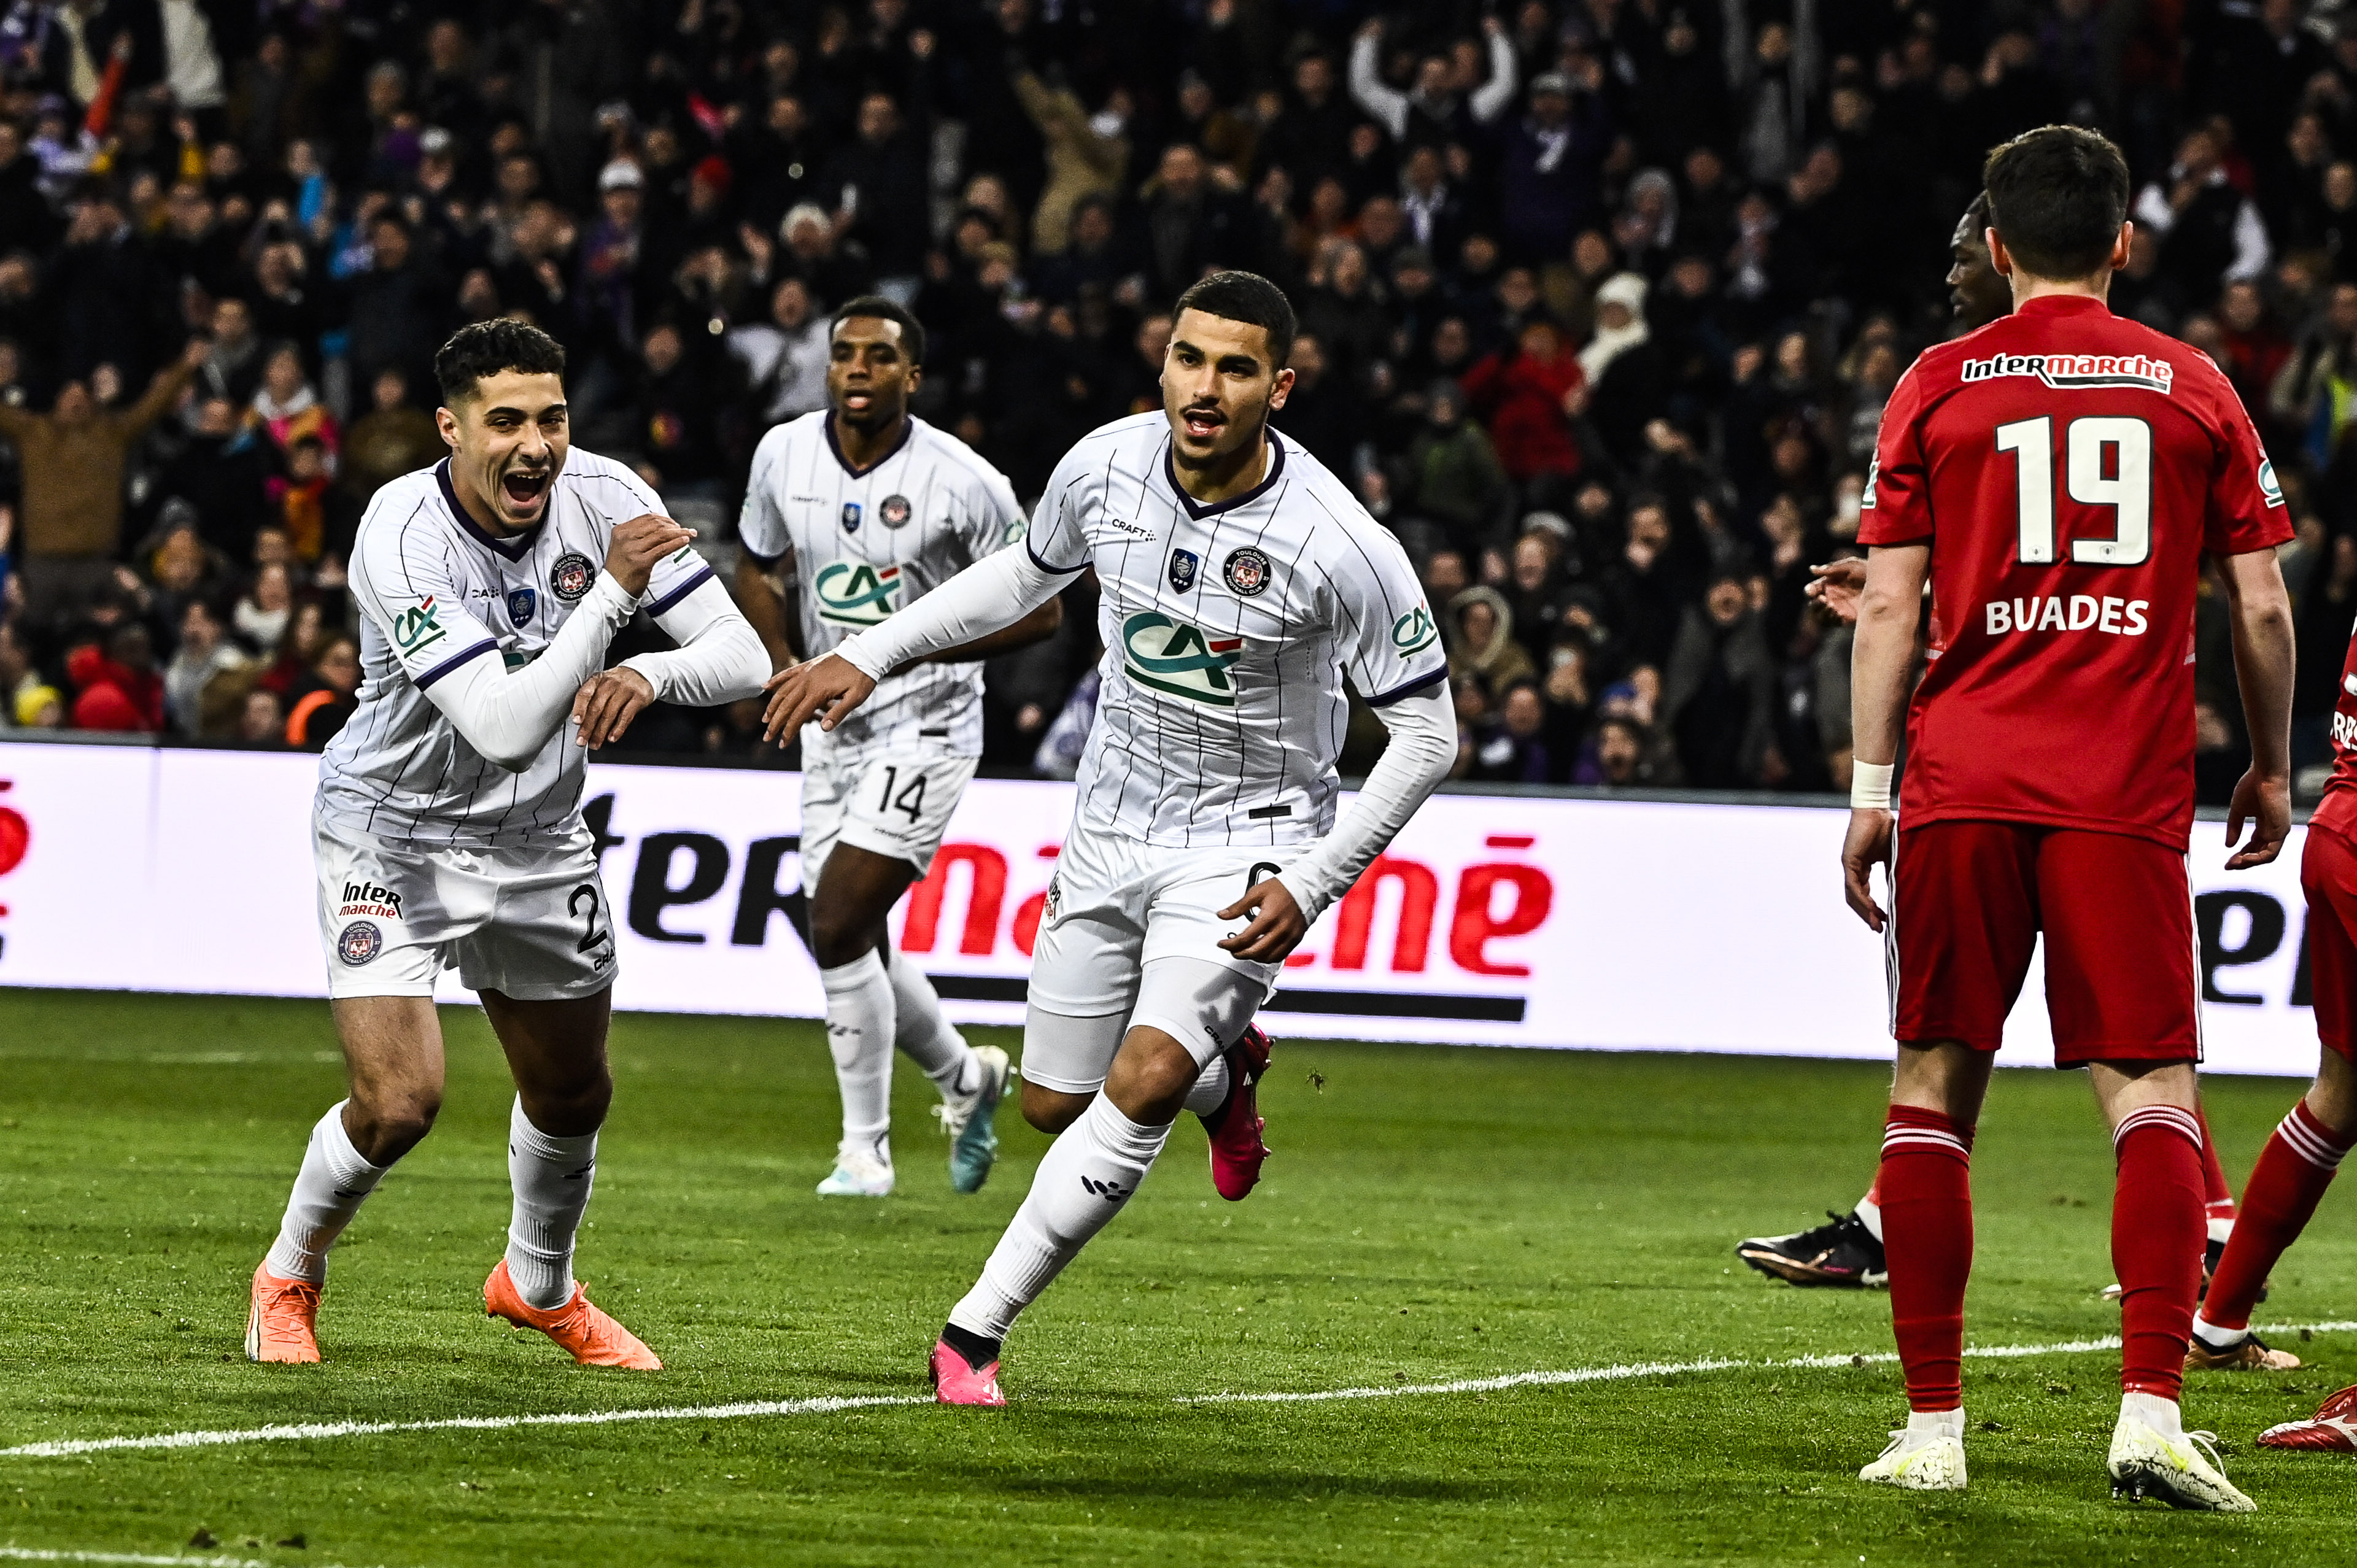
point(853, 593)
point(2344, 732)
point(2069, 370)
point(1178, 659)
point(2080, 612)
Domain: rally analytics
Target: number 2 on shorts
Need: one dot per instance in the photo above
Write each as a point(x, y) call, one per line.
point(591, 937)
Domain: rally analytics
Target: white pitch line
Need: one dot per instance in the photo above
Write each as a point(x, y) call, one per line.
point(29, 1554)
point(64, 1448)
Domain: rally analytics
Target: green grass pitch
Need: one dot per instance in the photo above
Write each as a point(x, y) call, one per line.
point(1431, 1214)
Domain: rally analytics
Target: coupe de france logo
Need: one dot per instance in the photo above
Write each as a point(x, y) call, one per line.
point(895, 511)
point(853, 593)
point(521, 604)
point(851, 517)
point(1414, 632)
point(360, 942)
point(1182, 570)
point(1247, 570)
point(1179, 660)
point(571, 577)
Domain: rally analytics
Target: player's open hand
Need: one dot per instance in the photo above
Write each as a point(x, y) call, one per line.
point(825, 688)
point(1868, 846)
point(606, 703)
point(1835, 587)
point(638, 544)
point(2267, 803)
point(1277, 924)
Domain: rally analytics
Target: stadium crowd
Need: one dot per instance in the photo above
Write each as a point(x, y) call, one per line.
point(1599, 300)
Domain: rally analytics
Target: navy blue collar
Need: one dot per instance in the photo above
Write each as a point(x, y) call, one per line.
point(512, 549)
point(1198, 511)
point(908, 429)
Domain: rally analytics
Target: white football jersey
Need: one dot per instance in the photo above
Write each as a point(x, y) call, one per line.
point(436, 591)
point(868, 542)
point(1228, 630)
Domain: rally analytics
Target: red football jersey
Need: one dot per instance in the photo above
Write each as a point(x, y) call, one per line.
point(2338, 809)
point(2068, 469)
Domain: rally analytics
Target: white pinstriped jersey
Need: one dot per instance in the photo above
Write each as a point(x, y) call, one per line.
point(868, 542)
point(1228, 631)
point(435, 592)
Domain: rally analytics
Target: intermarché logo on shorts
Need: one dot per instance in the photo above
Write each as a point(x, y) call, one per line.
point(1178, 659)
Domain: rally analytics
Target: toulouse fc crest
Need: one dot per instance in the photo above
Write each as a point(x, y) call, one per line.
point(1182, 570)
point(360, 942)
point(570, 577)
point(1247, 570)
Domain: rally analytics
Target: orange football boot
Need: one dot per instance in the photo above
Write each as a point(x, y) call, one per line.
point(586, 1334)
point(280, 1325)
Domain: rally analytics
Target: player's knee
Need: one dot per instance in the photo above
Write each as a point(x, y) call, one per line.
point(1151, 1075)
point(839, 938)
point(388, 1125)
point(1052, 1109)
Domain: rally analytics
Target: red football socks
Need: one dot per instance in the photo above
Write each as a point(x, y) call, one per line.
point(2157, 1235)
point(1926, 1236)
point(2293, 1171)
point(2217, 1198)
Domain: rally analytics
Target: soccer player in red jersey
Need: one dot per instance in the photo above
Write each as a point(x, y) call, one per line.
point(2058, 475)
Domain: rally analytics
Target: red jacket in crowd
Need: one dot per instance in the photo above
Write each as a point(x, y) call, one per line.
point(1519, 394)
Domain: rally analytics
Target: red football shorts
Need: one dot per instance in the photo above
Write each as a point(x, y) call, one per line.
point(1971, 897)
point(2327, 875)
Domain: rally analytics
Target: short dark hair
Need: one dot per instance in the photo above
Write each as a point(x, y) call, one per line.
point(2057, 197)
point(1247, 297)
point(483, 348)
point(876, 307)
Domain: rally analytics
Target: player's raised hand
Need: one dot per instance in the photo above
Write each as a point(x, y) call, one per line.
point(1835, 586)
point(1278, 925)
point(638, 544)
point(1867, 845)
point(832, 687)
point(606, 703)
point(2267, 803)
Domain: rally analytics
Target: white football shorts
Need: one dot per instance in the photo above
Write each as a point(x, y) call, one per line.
point(531, 923)
point(1116, 906)
point(890, 802)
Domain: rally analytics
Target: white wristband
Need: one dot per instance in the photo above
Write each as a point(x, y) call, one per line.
point(1869, 786)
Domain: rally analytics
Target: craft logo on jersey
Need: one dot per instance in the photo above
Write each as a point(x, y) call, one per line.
point(851, 517)
point(1247, 570)
point(894, 513)
point(571, 577)
point(1414, 632)
point(2068, 371)
point(1178, 659)
point(2270, 491)
point(521, 602)
point(1182, 570)
point(360, 942)
point(416, 627)
point(853, 593)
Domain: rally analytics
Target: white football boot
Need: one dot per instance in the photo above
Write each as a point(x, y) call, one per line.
point(856, 1174)
point(1927, 1455)
point(2182, 1471)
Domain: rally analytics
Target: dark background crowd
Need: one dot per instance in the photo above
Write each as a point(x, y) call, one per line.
point(1599, 300)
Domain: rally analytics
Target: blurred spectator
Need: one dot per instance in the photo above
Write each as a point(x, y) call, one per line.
point(318, 704)
point(394, 437)
point(115, 684)
point(205, 651)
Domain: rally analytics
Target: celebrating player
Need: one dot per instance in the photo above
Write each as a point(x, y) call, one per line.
point(2059, 476)
point(1241, 580)
point(864, 509)
point(448, 829)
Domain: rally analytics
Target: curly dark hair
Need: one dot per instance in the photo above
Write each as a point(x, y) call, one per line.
point(483, 348)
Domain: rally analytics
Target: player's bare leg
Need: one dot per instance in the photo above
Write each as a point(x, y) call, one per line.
point(392, 1061)
point(874, 1002)
point(556, 1053)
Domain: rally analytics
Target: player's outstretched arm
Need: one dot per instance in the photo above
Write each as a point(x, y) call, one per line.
point(1419, 752)
point(1880, 661)
point(987, 597)
point(509, 716)
point(1833, 588)
point(2259, 610)
point(719, 660)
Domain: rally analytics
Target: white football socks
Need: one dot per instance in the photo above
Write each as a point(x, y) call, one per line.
point(1086, 1177)
point(1946, 1423)
point(1210, 1090)
point(552, 1178)
point(329, 1191)
point(2162, 1415)
point(1869, 1214)
point(930, 1040)
point(859, 1028)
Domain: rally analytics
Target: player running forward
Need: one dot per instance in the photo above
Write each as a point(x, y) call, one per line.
point(1241, 582)
point(1847, 1249)
point(2059, 476)
point(859, 511)
point(447, 828)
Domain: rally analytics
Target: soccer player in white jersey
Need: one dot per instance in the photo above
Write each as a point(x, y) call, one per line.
point(1241, 582)
point(855, 512)
point(447, 828)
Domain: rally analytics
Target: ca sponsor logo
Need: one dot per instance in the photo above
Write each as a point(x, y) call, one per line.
point(2270, 491)
point(1178, 659)
point(416, 628)
point(1414, 632)
point(853, 593)
point(370, 899)
point(1016, 530)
